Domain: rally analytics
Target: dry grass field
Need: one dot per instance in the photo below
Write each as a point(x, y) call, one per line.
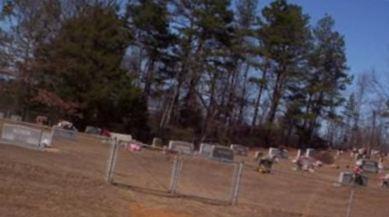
point(69, 180)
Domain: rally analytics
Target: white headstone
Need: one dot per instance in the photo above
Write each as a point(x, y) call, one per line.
point(309, 152)
point(181, 147)
point(206, 149)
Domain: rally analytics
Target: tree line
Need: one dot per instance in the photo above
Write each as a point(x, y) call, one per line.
point(219, 71)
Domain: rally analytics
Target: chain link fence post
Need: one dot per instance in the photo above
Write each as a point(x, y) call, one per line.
point(350, 202)
point(236, 183)
point(112, 161)
point(176, 170)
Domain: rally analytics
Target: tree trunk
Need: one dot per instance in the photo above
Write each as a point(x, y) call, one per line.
point(243, 97)
point(149, 78)
point(258, 101)
point(276, 96)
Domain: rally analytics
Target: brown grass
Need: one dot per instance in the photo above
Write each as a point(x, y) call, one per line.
point(68, 180)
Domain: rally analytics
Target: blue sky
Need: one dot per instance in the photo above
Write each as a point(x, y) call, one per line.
point(365, 25)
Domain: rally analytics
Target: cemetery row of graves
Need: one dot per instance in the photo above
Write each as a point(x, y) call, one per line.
point(218, 169)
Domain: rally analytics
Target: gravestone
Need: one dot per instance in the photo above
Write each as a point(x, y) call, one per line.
point(92, 130)
point(284, 154)
point(298, 153)
point(2, 115)
point(60, 133)
point(370, 166)
point(240, 149)
point(346, 178)
point(157, 142)
point(47, 138)
point(122, 138)
point(16, 118)
point(206, 149)
point(181, 147)
point(310, 152)
point(222, 153)
point(21, 135)
point(274, 152)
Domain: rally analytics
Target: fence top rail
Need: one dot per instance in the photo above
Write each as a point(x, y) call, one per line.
point(21, 126)
point(33, 125)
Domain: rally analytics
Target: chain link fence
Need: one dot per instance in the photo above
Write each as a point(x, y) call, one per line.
point(155, 170)
point(25, 134)
point(284, 192)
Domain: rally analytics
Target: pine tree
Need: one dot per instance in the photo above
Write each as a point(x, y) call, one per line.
point(284, 44)
point(328, 76)
point(82, 66)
